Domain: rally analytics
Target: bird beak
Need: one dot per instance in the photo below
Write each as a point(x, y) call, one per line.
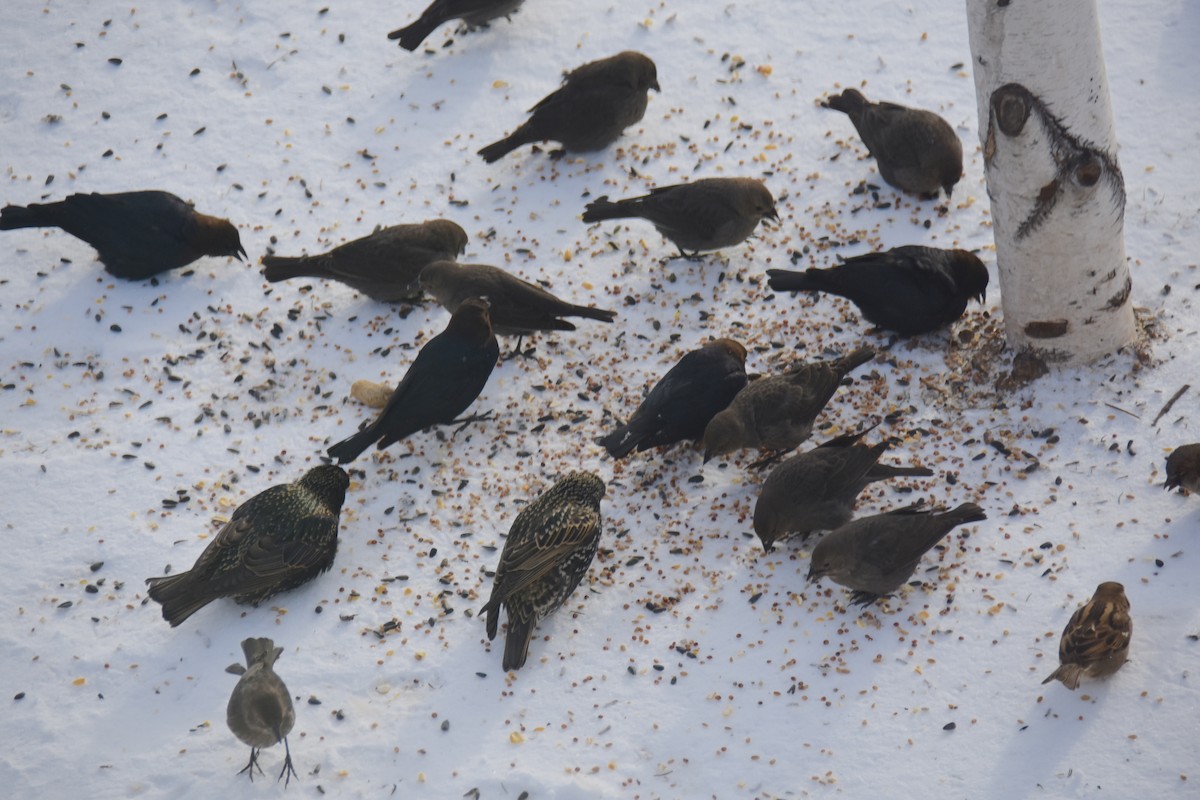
point(772, 214)
point(981, 297)
point(708, 454)
point(241, 253)
point(654, 85)
point(813, 576)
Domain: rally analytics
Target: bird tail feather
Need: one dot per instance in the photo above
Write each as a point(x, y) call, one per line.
point(967, 512)
point(31, 216)
point(516, 644)
point(498, 150)
point(351, 448)
point(178, 595)
point(855, 359)
point(1068, 674)
point(786, 280)
point(620, 442)
point(602, 208)
point(282, 268)
point(588, 312)
point(411, 36)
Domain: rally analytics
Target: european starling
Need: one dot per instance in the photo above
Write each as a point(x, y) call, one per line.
point(1096, 640)
point(778, 412)
point(874, 556)
point(708, 214)
point(816, 491)
point(516, 307)
point(681, 404)
point(916, 150)
point(1183, 468)
point(277, 540)
point(548, 551)
point(595, 104)
point(260, 711)
point(136, 234)
point(384, 265)
point(909, 290)
point(473, 12)
point(445, 378)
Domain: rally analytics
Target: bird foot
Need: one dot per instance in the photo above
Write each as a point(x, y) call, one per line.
point(864, 598)
point(252, 765)
point(465, 421)
point(288, 769)
point(686, 256)
point(517, 352)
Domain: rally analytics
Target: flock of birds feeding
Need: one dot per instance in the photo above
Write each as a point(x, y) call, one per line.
point(288, 534)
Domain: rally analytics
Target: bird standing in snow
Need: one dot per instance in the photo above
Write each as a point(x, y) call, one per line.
point(260, 710)
point(1096, 640)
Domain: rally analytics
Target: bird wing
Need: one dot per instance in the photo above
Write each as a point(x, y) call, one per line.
point(905, 139)
point(233, 533)
point(1096, 632)
point(130, 229)
point(273, 555)
point(530, 554)
point(924, 261)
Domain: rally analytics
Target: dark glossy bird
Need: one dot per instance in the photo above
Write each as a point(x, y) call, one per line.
point(1183, 468)
point(874, 556)
point(594, 105)
point(548, 551)
point(680, 405)
point(473, 12)
point(260, 710)
point(384, 266)
point(1095, 642)
point(708, 214)
point(444, 379)
point(778, 412)
point(277, 540)
point(916, 150)
point(909, 290)
point(516, 307)
point(136, 234)
point(816, 491)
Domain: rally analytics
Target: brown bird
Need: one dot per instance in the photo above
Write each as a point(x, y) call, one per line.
point(595, 104)
point(816, 491)
point(708, 214)
point(778, 412)
point(384, 266)
point(681, 404)
point(1183, 468)
point(910, 289)
point(548, 551)
point(916, 150)
point(277, 540)
point(447, 375)
point(516, 307)
point(1096, 640)
point(260, 710)
point(136, 234)
point(473, 12)
point(874, 556)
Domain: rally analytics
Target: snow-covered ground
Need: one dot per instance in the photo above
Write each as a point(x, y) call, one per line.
point(689, 664)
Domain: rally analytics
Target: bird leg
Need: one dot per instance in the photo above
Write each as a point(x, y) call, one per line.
point(692, 256)
point(465, 421)
point(288, 769)
point(253, 765)
point(517, 351)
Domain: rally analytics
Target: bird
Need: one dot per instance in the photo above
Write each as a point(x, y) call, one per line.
point(873, 556)
point(444, 379)
point(708, 214)
point(916, 150)
point(595, 104)
point(548, 551)
point(137, 235)
point(816, 490)
point(1183, 468)
point(1096, 640)
point(778, 412)
point(473, 12)
point(384, 265)
point(260, 710)
point(910, 289)
point(680, 405)
point(277, 540)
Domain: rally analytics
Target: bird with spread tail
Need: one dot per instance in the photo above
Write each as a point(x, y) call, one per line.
point(260, 710)
point(548, 551)
point(447, 375)
point(474, 13)
point(137, 235)
point(384, 266)
point(277, 540)
point(1095, 642)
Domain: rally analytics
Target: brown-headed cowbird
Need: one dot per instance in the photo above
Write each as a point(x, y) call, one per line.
point(909, 290)
point(595, 104)
point(277, 540)
point(916, 150)
point(708, 214)
point(680, 405)
point(1096, 640)
point(778, 412)
point(447, 375)
point(384, 265)
point(815, 491)
point(1183, 468)
point(260, 710)
point(136, 234)
point(473, 12)
point(548, 551)
point(874, 556)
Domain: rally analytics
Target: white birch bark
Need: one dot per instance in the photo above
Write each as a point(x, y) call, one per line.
point(1057, 193)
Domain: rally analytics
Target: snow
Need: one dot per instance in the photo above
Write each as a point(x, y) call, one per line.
point(747, 682)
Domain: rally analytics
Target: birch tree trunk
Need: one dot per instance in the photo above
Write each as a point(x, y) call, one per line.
point(1056, 190)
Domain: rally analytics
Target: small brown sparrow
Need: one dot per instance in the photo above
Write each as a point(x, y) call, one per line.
point(1096, 640)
